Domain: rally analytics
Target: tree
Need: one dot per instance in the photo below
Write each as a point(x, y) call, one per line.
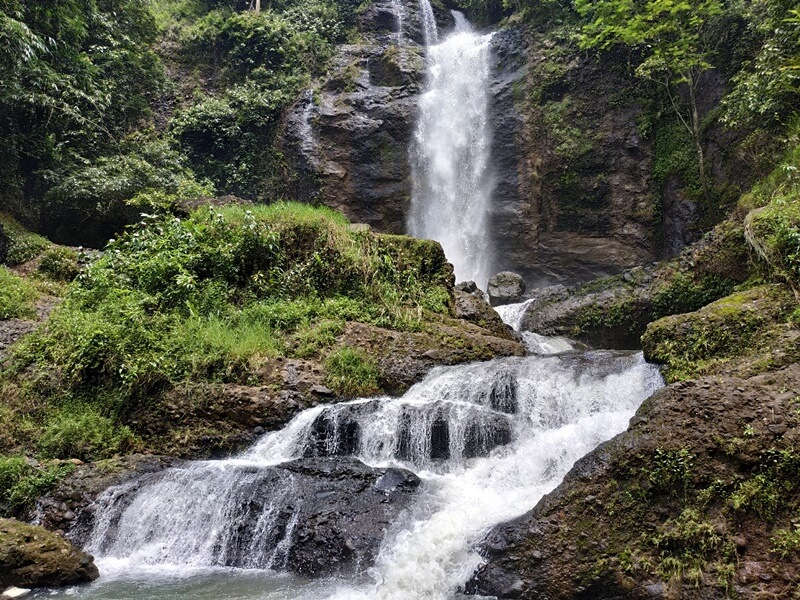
point(674, 41)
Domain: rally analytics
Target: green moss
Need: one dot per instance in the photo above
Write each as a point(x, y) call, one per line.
point(685, 293)
point(17, 296)
point(562, 119)
point(688, 344)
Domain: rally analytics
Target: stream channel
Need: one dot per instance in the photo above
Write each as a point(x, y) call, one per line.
point(486, 440)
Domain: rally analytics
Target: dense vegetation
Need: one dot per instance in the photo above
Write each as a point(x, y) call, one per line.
point(210, 298)
point(104, 102)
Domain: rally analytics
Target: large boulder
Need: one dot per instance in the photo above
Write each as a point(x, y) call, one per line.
point(473, 308)
point(314, 516)
point(31, 557)
point(506, 288)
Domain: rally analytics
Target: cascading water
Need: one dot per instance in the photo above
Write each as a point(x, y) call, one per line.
point(513, 314)
point(487, 440)
point(451, 148)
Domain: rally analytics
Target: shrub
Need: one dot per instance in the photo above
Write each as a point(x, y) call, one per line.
point(59, 264)
point(82, 432)
point(211, 296)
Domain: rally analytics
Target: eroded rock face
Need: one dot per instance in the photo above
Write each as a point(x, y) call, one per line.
point(346, 143)
point(676, 488)
point(31, 556)
point(574, 196)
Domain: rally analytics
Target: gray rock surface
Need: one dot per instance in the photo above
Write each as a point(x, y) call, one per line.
point(505, 288)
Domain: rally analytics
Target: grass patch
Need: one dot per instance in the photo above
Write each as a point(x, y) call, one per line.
point(17, 296)
point(351, 372)
point(82, 432)
point(22, 244)
point(21, 483)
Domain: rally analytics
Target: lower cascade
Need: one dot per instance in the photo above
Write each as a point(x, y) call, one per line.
point(384, 497)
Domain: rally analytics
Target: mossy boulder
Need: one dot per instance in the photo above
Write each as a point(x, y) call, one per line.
point(747, 328)
point(31, 556)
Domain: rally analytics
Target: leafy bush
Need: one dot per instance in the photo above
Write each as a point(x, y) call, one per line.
point(17, 296)
point(210, 296)
point(21, 483)
point(59, 264)
point(147, 172)
point(228, 137)
point(82, 432)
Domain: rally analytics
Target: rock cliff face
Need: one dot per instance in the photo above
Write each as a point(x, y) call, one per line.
point(346, 139)
point(573, 194)
point(574, 197)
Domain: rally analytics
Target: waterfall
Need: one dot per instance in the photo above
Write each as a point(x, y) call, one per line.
point(450, 152)
point(487, 439)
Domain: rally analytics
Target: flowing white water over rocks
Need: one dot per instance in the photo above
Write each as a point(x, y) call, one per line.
point(514, 427)
point(451, 149)
point(513, 314)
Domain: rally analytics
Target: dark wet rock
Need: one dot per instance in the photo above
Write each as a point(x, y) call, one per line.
point(482, 431)
point(32, 557)
point(597, 534)
point(503, 396)
point(505, 288)
point(64, 509)
point(485, 433)
point(344, 509)
point(336, 431)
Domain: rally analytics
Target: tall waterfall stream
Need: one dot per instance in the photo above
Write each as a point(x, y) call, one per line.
point(487, 440)
point(451, 150)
